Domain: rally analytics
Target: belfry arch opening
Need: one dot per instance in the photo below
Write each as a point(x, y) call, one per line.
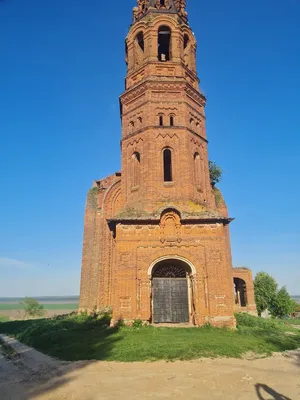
point(240, 291)
point(164, 43)
point(171, 293)
point(140, 40)
point(186, 40)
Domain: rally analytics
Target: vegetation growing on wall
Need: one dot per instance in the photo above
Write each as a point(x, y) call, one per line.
point(215, 173)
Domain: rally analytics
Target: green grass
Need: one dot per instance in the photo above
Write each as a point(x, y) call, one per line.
point(86, 338)
point(3, 318)
point(47, 306)
point(293, 321)
point(246, 320)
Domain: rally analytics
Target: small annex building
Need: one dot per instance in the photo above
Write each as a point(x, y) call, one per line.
point(156, 235)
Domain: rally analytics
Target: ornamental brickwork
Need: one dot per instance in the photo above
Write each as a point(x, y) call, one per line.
point(161, 209)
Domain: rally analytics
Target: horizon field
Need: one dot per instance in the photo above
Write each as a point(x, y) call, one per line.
point(47, 307)
point(53, 302)
point(63, 303)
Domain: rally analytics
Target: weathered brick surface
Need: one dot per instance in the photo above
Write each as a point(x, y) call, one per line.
point(135, 219)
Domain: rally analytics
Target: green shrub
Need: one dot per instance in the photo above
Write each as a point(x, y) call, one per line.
point(137, 323)
point(243, 319)
point(3, 318)
point(283, 305)
point(105, 318)
point(207, 325)
point(246, 320)
point(215, 173)
point(120, 323)
point(33, 308)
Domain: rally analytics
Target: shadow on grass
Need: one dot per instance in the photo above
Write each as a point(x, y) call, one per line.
point(280, 341)
point(284, 343)
point(264, 392)
point(69, 339)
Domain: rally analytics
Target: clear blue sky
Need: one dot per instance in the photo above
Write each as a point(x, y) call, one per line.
point(61, 72)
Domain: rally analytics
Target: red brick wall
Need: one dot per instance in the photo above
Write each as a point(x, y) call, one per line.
point(124, 229)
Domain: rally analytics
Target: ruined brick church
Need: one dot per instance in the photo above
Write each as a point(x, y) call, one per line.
point(156, 235)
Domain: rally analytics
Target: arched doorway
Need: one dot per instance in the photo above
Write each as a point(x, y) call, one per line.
point(170, 292)
point(240, 289)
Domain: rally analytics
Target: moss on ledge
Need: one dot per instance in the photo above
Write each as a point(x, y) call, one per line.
point(218, 197)
point(132, 213)
point(92, 199)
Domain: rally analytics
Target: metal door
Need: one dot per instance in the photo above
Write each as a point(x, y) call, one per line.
point(170, 300)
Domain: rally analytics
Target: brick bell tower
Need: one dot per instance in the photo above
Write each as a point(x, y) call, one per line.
point(156, 239)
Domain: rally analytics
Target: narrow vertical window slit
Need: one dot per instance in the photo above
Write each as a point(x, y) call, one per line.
point(167, 158)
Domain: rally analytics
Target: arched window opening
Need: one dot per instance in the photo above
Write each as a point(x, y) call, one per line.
point(161, 120)
point(197, 168)
point(240, 289)
point(137, 156)
point(186, 41)
point(140, 40)
point(162, 3)
point(131, 126)
point(172, 120)
point(136, 160)
point(140, 120)
point(164, 43)
point(167, 155)
point(192, 122)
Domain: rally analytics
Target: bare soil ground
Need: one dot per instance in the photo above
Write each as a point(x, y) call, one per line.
point(27, 374)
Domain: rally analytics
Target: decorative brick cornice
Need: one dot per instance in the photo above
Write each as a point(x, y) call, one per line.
point(156, 85)
point(170, 128)
point(205, 217)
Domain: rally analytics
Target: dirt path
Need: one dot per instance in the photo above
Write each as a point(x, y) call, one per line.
point(11, 386)
point(31, 375)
